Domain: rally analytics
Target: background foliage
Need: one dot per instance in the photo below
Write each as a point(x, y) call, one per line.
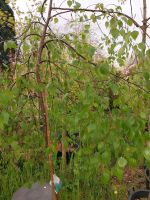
point(80, 91)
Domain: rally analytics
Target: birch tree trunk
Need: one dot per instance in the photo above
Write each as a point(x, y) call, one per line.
point(43, 105)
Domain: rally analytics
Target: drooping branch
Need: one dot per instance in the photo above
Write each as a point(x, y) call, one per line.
point(69, 46)
point(105, 11)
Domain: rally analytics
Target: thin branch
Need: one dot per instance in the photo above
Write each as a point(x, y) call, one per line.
point(97, 11)
point(42, 10)
point(148, 19)
point(106, 11)
point(95, 65)
point(131, 8)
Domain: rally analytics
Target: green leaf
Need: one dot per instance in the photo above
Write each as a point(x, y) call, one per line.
point(113, 23)
point(55, 20)
point(114, 32)
point(48, 150)
point(143, 115)
point(106, 24)
point(1, 124)
point(104, 68)
point(69, 3)
point(121, 51)
point(141, 46)
point(14, 145)
point(105, 178)
point(132, 162)
point(122, 162)
point(5, 116)
point(26, 47)
point(81, 19)
point(87, 27)
point(148, 84)
point(147, 153)
point(120, 24)
point(99, 6)
point(106, 157)
point(129, 22)
point(146, 76)
point(91, 50)
point(93, 18)
point(77, 5)
point(101, 146)
point(148, 52)
point(10, 44)
point(134, 34)
point(114, 88)
point(118, 172)
point(39, 9)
